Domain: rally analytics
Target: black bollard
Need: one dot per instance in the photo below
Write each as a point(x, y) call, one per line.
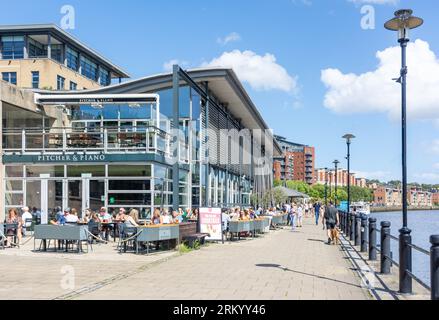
point(405, 261)
point(352, 235)
point(385, 247)
point(363, 233)
point(372, 239)
point(434, 267)
point(348, 221)
point(358, 229)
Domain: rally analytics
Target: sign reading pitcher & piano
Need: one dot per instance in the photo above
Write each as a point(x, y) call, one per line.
point(210, 222)
point(72, 158)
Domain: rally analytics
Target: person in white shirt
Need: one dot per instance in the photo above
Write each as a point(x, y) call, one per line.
point(299, 216)
point(166, 217)
point(26, 215)
point(70, 218)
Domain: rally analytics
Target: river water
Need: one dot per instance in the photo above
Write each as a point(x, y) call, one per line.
point(423, 224)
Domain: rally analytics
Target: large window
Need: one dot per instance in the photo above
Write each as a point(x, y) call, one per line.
point(56, 52)
point(72, 59)
point(35, 79)
point(10, 77)
point(89, 68)
point(73, 86)
point(60, 82)
point(104, 77)
point(13, 47)
point(36, 49)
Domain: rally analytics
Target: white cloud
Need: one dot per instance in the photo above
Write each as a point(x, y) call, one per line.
point(374, 175)
point(167, 66)
point(375, 91)
point(428, 177)
point(261, 72)
point(232, 37)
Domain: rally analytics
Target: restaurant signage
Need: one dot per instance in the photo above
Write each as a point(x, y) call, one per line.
point(210, 222)
point(72, 158)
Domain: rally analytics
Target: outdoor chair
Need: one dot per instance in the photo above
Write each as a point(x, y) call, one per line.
point(93, 228)
point(28, 226)
point(125, 233)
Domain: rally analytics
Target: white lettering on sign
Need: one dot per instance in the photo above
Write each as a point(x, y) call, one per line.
point(71, 158)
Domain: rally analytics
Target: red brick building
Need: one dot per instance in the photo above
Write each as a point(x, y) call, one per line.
point(296, 164)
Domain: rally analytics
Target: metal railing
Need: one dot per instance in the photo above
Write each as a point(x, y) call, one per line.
point(355, 226)
point(147, 139)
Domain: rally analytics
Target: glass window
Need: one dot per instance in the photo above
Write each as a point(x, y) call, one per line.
point(129, 171)
point(162, 172)
point(72, 57)
point(128, 199)
point(56, 52)
point(138, 185)
point(14, 185)
point(77, 171)
point(37, 49)
point(104, 77)
point(13, 47)
point(36, 171)
point(135, 111)
point(60, 82)
point(10, 77)
point(73, 86)
point(89, 68)
point(33, 194)
point(35, 79)
point(86, 112)
point(14, 171)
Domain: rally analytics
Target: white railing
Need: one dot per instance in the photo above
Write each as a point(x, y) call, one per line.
point(107, 140)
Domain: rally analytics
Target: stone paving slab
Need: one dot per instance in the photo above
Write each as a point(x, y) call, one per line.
point(281, 265)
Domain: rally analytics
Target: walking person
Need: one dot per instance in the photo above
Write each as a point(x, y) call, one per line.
point(332, 219)
point(292, 217)
point(317, 212)
point(300, 216)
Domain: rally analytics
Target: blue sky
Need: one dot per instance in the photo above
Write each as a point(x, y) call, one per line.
point(309, 66)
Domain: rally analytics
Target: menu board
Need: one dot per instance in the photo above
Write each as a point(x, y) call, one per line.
point(210, 222)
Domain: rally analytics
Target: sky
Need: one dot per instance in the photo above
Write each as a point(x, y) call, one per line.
point(316, 69)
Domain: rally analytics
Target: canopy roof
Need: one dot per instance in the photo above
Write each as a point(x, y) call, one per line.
point(293, 193)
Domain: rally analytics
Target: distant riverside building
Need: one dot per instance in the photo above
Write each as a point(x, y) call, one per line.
point(323, 177)
point(44, 56)
point(114, 145)
point(392, 197)
point(296, 163)
point(435, 198)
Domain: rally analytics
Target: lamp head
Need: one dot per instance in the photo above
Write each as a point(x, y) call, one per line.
point(348, 137)
point(336, 162)
point(403, 22)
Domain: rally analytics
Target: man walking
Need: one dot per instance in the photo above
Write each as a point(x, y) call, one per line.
point(331, 218)
point(317, 212)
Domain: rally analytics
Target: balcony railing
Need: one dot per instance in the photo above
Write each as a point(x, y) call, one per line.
point(108, 140)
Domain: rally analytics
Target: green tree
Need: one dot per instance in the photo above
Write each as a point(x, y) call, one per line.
point(279, 196)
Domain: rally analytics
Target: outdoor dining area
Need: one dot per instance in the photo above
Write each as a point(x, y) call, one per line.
point(65, 232)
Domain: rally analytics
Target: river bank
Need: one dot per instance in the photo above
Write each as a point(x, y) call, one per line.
point(395, 209)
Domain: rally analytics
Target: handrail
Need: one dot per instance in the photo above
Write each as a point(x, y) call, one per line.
point(422, 283)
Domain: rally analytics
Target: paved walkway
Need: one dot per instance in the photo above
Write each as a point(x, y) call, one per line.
point(280, 265)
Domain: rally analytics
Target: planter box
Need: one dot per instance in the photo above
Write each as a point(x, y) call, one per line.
point(150, 234)
point(50, 232)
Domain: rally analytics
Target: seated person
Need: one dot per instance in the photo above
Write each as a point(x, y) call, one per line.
point(156, 217)
point(166, 218)
point(176, 217)
point(121, 215)
point(60, 219)
point(130, 219)
point(104, 215)
point(26, 215)
point(70, 216)
point(13, 219)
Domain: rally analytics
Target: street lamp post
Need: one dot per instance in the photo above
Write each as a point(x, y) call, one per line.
point(403, 22)
point(326, 187)
point(349, 138)
point(336, 163)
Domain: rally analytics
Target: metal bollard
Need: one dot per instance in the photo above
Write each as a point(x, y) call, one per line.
point(385, 247)
point(405, 261)
point(372, 239)
point(352, 235)
point(348, 214)
point(434, 267)
point(357, 229)
point(363, 233)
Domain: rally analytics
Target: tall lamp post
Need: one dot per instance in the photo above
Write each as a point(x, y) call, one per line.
point(349, 138)
point(403, 22)
point(326, 187)
point(336, 163)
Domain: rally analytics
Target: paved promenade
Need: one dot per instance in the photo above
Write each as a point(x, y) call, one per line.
point(280, 265)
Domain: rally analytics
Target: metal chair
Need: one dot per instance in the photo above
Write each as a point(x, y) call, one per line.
point(125, 233)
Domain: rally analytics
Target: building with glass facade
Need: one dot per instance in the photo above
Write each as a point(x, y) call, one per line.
point(45, 56)
point(181, 139)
